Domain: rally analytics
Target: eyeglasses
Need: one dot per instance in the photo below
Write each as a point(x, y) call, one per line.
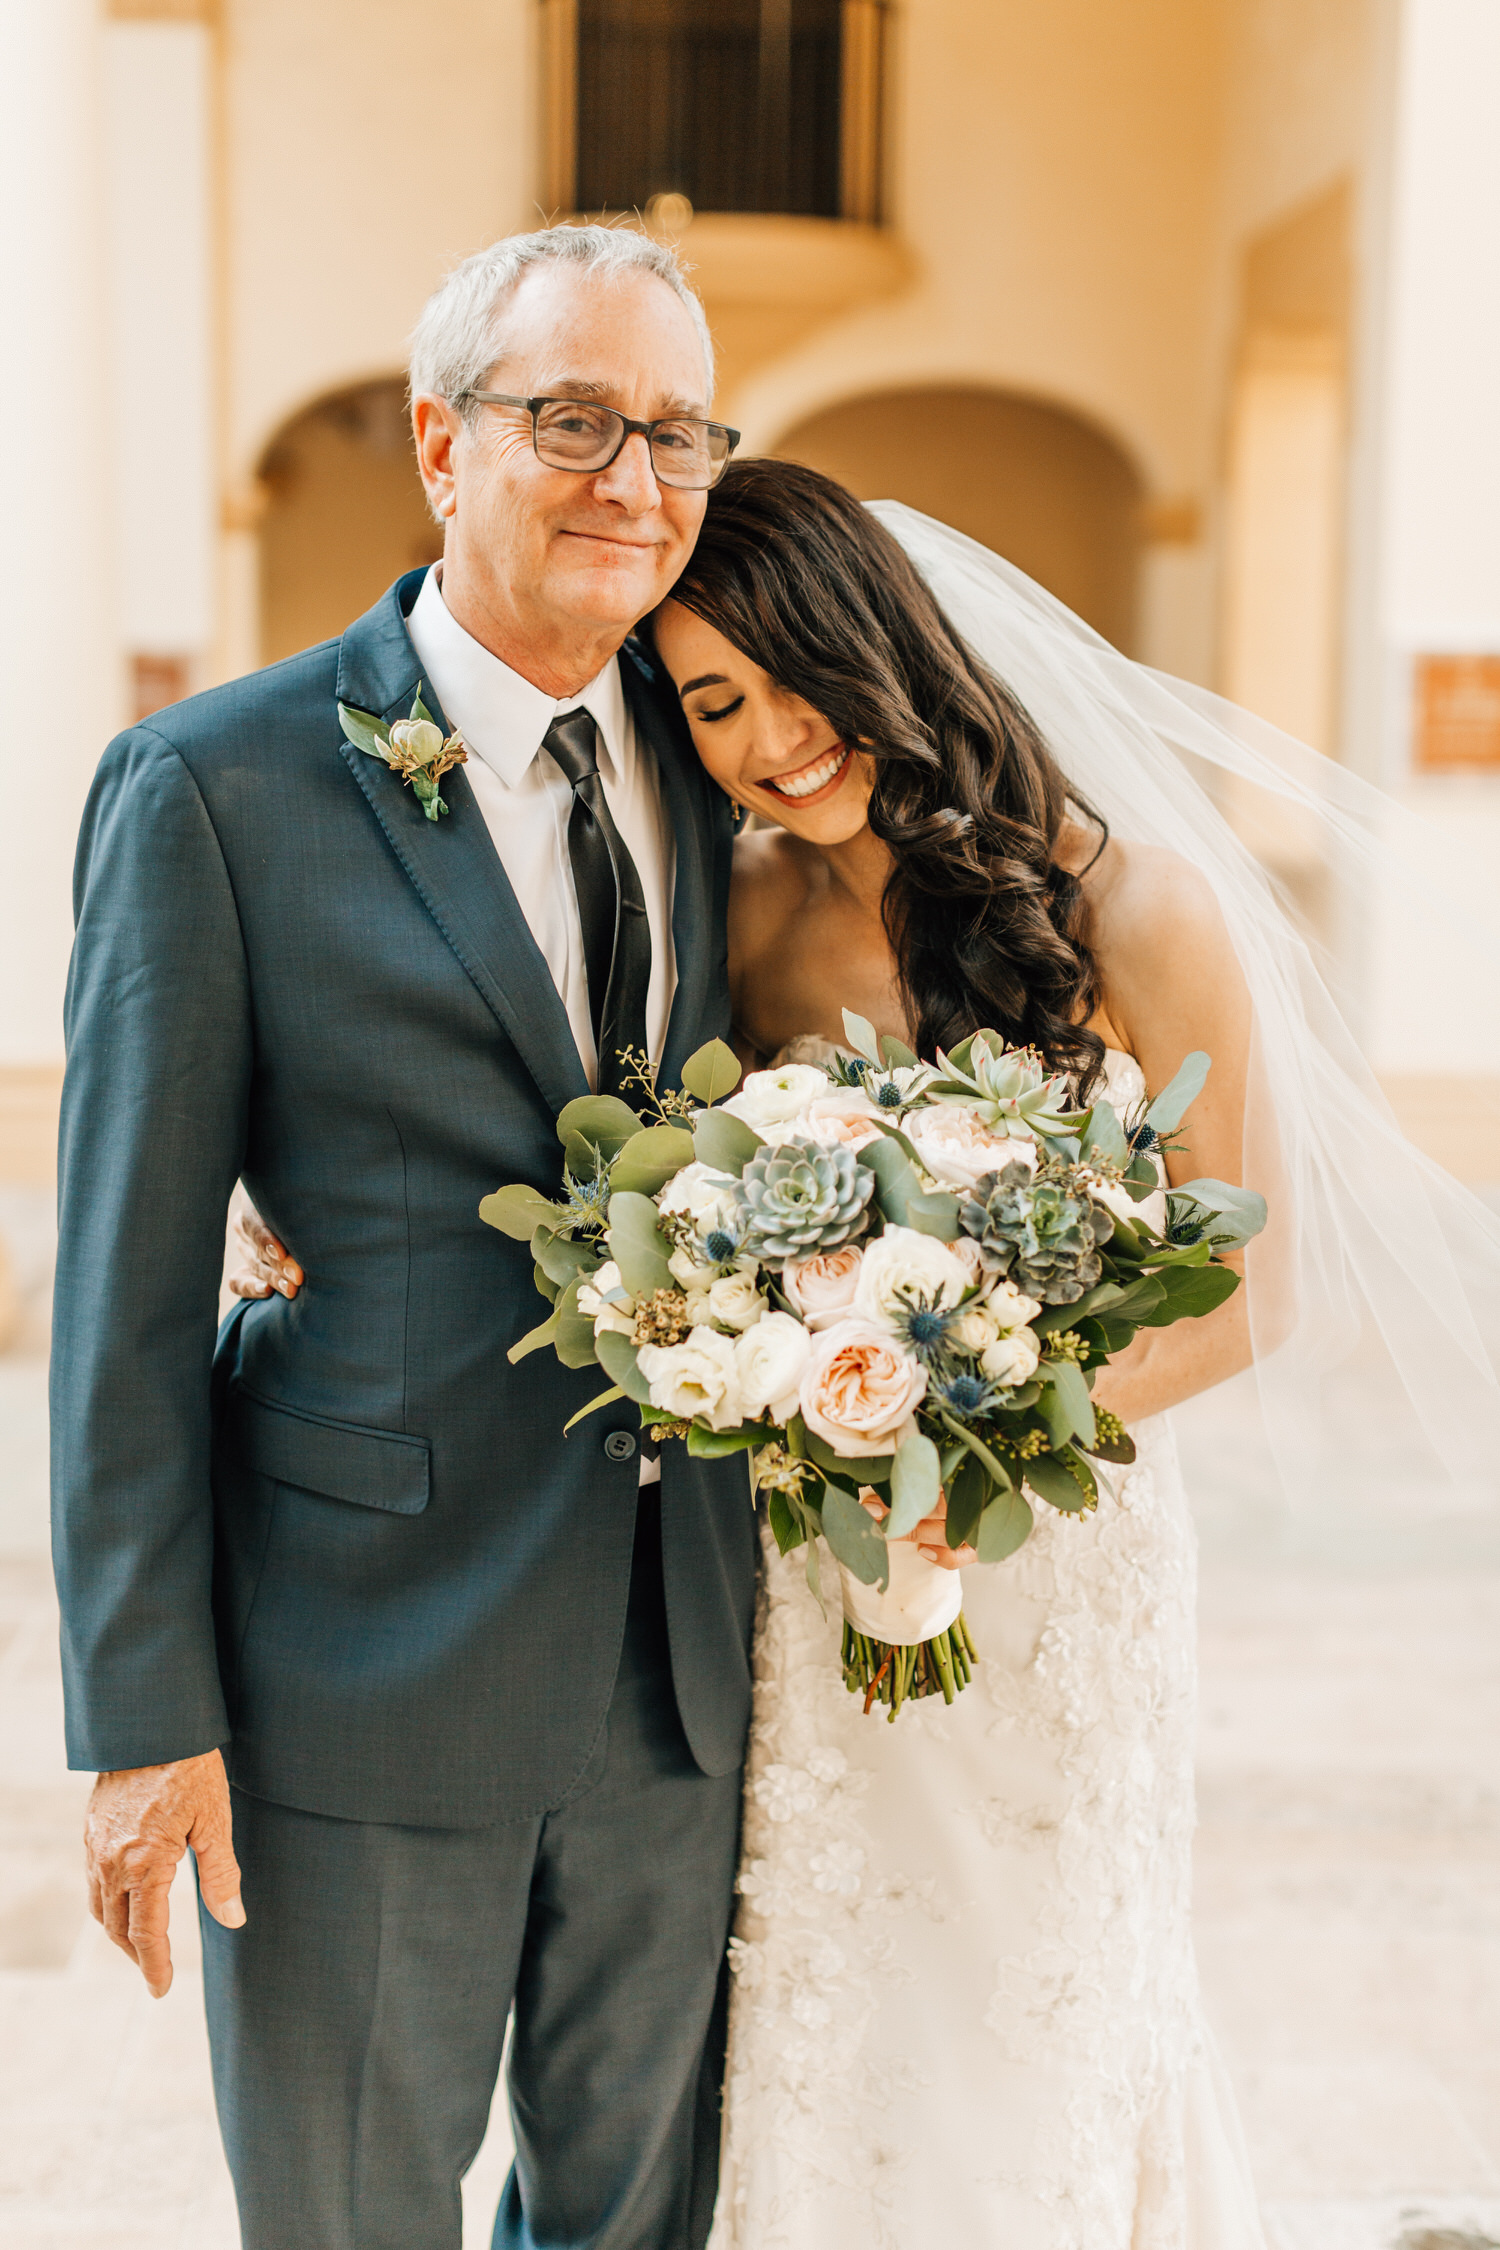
point(570, 433)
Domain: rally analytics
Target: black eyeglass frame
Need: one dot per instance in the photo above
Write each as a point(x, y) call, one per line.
point(629, 428)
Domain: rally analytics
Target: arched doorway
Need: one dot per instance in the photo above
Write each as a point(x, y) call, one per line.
point(345, 514)
point(1039, 485)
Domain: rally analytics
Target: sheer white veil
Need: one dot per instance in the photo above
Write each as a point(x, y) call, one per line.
point(1369, 1239)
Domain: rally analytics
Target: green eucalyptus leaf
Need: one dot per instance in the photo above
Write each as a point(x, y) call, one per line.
point(860, 1033)
point(968, 1491)
point(545, 1285)
point(1231, 1216)
point(603, 1120)
point(616, 1354)
point(638, 1245)
point(916, 1475)
point(605, 1398)
point(1104, 1135)
point(517, 1211)
point(854, 1537)
point(1004, 1526)
point(574, 1341)
point(897, 1180)
point(1065, 1405)
point(711, 1073)
point(895, 1054)
point(712, 1445)
point(563, 1260)
point(724, 1143)
point(786, 1529)
point(366, 732)
point(534, 1339)
point(936, 1215)
point(868, 1469)
point(1051, 1481)
point(994, 1467)
point(648, 1160)
point(420, 711)
point(1190, 1292)
point(1175, 1100)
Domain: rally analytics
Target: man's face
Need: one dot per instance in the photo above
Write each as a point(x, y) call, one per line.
point(550, 554)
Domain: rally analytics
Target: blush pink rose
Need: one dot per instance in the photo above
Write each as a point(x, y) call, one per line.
point(958, 1148)
point(859, 1389)
point(821, 1288)
point(848, 1116)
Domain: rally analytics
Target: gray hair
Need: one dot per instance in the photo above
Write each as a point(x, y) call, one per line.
point(456, 343)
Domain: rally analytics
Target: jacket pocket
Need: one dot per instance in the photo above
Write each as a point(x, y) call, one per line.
point(372, 1468)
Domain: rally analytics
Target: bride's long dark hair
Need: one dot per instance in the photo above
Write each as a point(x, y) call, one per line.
point(985, 925)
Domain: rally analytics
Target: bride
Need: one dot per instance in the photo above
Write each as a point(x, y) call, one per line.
point(965, 2005)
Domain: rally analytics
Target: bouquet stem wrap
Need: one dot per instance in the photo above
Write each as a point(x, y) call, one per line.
point(921, 1600)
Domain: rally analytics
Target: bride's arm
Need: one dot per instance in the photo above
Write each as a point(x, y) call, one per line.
point(1172, 983)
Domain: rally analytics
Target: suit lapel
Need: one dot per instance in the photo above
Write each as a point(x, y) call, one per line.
point(452, 862)
point(703, 835)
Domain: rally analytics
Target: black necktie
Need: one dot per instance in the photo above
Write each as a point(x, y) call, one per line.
point(611, 904)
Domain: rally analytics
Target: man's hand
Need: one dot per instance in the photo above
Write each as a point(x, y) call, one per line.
point(140, 1822)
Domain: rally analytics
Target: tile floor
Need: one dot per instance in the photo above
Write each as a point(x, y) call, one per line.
point(1348, 1889)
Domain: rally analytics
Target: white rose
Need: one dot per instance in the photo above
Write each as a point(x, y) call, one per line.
point(903, 1264)
point(769, 1360)
point(1011, 1359)
point(704, 1196)
point(1150, 1211)
point(775, 1097)
point(688, 1273)
point(958, 1148)
point(695, 1379)
point(1010, 1307)
point(734, 1301)
point(975, 1329)
point(606, 1302)
point(846, 1115)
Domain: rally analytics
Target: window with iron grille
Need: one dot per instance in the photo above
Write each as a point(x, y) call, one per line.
point(738, 105)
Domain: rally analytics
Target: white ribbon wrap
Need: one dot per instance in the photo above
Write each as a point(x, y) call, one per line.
point(922, 1599)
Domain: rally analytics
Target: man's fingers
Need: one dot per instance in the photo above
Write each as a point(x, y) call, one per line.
point(219, 1875)
point(149, 1943)
point(114, 1913)
point(248, 1285)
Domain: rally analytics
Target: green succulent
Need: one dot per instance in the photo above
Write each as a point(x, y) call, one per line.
point(802, 1197)
point(1039, 1230)
point(1008, 1087)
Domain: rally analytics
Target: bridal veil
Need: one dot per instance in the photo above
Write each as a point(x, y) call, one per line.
point(1371, 1244)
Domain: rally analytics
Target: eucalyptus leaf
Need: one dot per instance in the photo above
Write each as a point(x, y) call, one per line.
point(993, 1465)
point(860, 1034)
point(868, 1469)
point(854, 1538)
point(605, 1398)
point(534, 1339)
point(366, 732)
point(895, 1054)
point(1004, 1526)
point(916, 1475)
point(1104, 1135)
point(517, 1211)
point(1052, 1482)
point(616, 1354)
point(713, 1445)
point(1174, 1101)
point(637, 1244)
point(1232, 1216)
point(1191, 1291)
point(936, 1215)
point(711, 1073)
point(563, 1260)
point(969, 1491)
point(544, 1283)
point(603, 1120)
point(648, 1160)
point(897, 1180)
point(724, 1143)
point(574, 1342)
point(1065, 1405)
point(419, 709)
point(786, 1530)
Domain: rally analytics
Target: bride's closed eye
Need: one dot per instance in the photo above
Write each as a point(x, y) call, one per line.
point(726, 712)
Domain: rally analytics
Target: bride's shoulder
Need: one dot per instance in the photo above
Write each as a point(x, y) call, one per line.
point(771, 879)
point(1150, 910)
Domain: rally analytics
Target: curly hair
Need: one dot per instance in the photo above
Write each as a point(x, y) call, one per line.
point(986, 927)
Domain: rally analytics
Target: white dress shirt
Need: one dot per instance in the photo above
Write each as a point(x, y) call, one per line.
point(526, 802)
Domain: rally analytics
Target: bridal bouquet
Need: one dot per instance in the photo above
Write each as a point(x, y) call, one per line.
point(892, 1283)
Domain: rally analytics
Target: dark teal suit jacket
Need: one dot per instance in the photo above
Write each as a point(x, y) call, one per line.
point(363, 1557)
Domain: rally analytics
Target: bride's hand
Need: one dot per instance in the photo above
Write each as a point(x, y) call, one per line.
point(265, 1264)
point(931, 1534)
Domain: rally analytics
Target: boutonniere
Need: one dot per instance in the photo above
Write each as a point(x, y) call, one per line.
point(413, 747)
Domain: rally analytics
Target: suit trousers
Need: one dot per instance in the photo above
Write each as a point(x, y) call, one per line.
point(358, 2020)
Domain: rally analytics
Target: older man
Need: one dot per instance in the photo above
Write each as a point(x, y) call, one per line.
point(464, 1699)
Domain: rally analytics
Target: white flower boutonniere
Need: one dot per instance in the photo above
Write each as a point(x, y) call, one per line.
point(413, 747)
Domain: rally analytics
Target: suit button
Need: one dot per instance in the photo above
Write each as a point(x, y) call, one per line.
point(619, 1446)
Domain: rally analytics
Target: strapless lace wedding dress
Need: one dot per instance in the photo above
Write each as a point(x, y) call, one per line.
point(965, 2005)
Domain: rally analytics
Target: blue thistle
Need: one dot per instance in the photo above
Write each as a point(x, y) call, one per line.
point(721, 1245)
point(969, 1396)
